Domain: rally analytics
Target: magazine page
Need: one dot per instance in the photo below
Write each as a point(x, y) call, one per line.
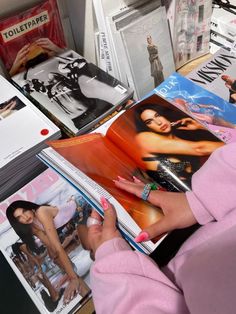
point(117, 21)
point(73, 91)
point(148, 48)
point(217, 75)
point(216, 113)
point(36, 268)
point(30, 37)
point(168, 144)
point(91, 162)
point(191, 34)
point(17, 116)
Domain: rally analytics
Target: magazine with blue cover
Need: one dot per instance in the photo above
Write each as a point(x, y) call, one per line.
point(217, 114)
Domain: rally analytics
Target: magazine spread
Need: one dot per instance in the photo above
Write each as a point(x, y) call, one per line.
point(216, 113)
point(72, 91)
point(153, 140)
point(30, 37)
point(218, 75)
point(147, 44)
point(40, 273)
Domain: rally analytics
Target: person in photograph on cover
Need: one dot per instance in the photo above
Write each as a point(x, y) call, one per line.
point(10, 106)
point(32, 265)
point(44, 221)
point(171, 143)
point(33, 53)
point(230, 83)
point(200, 276)
point(204, 112)
point(155, 62)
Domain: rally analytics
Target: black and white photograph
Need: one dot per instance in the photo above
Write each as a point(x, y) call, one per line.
point(74, 91)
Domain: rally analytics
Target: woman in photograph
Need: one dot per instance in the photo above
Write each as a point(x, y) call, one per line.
point(171, 143)
point(43, 221)
point(155, 62)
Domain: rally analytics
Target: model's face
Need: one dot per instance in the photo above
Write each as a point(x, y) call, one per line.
point(149, 39)
point(25, 217)
point(155, 122)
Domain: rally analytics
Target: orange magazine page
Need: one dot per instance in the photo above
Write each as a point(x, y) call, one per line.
point(96, 156)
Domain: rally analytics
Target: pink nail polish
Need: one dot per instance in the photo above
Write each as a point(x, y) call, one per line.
point(143, 236)
point(136, 179)
point(120, 178)
point(104, 203)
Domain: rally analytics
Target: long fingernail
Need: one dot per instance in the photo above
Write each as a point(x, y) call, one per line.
point(143, 236)
point(136, 179)
point(104, 203)
point(120, 178)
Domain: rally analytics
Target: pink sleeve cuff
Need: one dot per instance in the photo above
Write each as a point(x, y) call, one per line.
point(111, 246)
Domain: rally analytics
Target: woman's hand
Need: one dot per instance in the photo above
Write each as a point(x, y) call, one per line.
point(175, 207)
point(72, 289)
point(97, 233)
point(19, 60)
point(48, 45)
point(189, 124)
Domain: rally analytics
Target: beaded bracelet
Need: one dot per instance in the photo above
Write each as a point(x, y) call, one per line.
point(147, 189)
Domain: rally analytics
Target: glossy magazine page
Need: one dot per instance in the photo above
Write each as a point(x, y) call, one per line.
point(39, 273)
point(217, 114)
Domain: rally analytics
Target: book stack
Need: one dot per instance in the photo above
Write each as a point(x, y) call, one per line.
point(223, 28)
point(134, 43)
point(24, 130)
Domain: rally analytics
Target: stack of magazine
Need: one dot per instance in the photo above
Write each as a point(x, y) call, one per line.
point(24, 130)
point(135, 42)
point(47, 188)
point(72, 92)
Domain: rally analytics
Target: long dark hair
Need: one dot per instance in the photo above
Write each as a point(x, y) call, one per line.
point(172, 116)
point(24, 231)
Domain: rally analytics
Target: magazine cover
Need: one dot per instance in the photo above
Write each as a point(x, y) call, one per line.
point(75, 92)
point(30, 37)
point(218, 75)
point(191, 34)
point(117, 21)
point(216, 113)
point(27, 245)
point(149, 52)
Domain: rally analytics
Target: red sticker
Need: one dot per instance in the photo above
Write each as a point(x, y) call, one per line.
point(44, 132)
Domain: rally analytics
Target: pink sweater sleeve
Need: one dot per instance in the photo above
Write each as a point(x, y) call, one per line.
point(213, 192)
point(124, 281)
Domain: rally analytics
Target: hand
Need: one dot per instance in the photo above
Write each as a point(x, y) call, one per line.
point(76, 285)
point(7, 110)
point(19, 60)
point(98, 234)
point(189, 124)
point(48, 45)
point(175, 207)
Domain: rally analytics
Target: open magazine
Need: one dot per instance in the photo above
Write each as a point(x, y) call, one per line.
point(153, 140)
point(39, 273)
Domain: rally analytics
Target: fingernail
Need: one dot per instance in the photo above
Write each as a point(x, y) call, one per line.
point(135, 178)
point(143, 236)
point(120, 178)
point(104, 203)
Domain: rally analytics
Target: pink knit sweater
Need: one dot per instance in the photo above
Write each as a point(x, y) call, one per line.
point(201, 278)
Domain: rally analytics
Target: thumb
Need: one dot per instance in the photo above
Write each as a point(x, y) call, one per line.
point(110, 216)
point(158, 228)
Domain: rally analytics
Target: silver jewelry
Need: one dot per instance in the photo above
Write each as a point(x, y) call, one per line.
point(93, 221)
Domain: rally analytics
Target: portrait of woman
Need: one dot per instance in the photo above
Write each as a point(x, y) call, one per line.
point(171, 144)
point(48, 224)
point(155, 62)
